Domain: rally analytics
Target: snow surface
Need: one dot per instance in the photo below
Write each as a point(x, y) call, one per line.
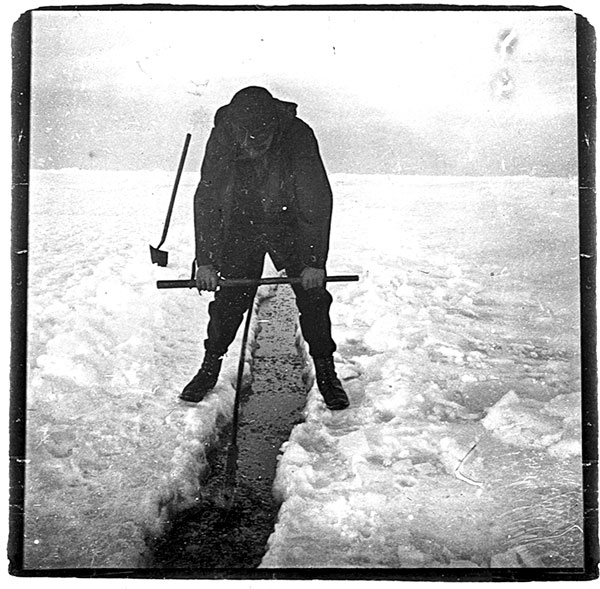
point(459, 343)
point(111, 450)
point(459, 350)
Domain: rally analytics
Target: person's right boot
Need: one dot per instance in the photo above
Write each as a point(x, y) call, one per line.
point(204, 381)
point(329, 384)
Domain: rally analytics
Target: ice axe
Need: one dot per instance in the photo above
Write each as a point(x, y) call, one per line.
point(156, 254)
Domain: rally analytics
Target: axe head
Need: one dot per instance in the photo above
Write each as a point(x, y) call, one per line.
point(159, 257)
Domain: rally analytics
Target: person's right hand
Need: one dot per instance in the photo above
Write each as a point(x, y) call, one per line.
point(206, 278)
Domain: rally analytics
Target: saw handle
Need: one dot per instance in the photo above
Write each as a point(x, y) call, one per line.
point(223, 283)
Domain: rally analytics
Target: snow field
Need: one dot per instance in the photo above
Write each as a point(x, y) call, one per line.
point(461, 363)
point(458, 347)
point(111, 450)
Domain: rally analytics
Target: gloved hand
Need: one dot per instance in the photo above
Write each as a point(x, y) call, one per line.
point(206, 278)
point(312, 278)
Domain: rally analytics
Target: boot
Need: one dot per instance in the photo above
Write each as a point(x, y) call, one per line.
point(329, 384)
point(204, 381)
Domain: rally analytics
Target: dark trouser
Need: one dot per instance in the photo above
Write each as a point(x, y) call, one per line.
point(243, 257)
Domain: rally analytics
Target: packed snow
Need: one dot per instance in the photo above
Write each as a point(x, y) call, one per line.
point(458, 348)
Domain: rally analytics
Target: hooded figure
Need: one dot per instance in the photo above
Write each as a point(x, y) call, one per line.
point(263, 189)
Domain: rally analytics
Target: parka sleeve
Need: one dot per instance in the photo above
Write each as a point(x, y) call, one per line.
point(209, 202)
point(313, 197)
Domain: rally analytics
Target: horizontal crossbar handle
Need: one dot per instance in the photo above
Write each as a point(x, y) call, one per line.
point(224, 283)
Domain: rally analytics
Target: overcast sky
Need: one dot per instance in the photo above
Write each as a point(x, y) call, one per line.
point(385, 91)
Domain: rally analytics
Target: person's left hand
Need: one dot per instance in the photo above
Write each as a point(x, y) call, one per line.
point(312, 278)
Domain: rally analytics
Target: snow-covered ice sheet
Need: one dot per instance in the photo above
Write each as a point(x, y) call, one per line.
point(459, 352)
point(460, 343)
point(110, 448)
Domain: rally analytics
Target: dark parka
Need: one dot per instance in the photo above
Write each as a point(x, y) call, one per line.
point(302, 188)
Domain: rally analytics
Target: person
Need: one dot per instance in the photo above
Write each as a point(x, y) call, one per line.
point(263, 189)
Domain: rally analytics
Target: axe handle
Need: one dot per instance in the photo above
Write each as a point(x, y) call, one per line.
point(177, 179)
point(250, 281)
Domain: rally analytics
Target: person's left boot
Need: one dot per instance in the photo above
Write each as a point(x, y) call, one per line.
point(329, 384)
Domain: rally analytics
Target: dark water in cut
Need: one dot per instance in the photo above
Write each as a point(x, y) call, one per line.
point(207, 537)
